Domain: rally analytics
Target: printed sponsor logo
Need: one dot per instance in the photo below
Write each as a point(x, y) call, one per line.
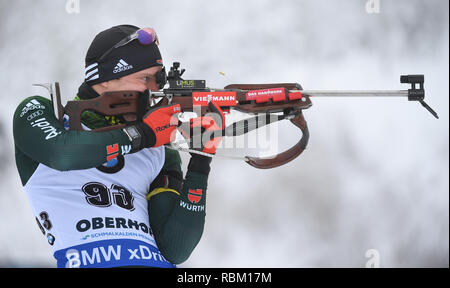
point(122, 66)
point(112, 223)
point(125, 149)
point(45, 126)
point(162, 128)
point(263, 95)
point(32, 105)
point(35, 114)
point(51, 239)
point(195, 195)
point(76, 259)
point(220, 98)
point(112, 151)
point(115, 234)
point(111, 252)
point(186, 83)
point(192, 207)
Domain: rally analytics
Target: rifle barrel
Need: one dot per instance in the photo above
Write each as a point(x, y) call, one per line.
point(354, 93)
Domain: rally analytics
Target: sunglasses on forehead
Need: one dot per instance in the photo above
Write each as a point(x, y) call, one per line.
point(145, 36)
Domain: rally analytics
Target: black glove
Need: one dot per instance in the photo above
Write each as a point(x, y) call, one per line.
point(200, 163)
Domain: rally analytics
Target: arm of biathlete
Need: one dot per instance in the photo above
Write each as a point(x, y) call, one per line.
point(177, 207)
point(40, 136)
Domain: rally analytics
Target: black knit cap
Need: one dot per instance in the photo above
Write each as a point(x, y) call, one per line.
point(124, 60)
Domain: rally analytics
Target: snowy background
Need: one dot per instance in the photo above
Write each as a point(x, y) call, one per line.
point(375, 174)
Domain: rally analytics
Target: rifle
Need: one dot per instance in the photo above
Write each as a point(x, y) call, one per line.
point(266, 101)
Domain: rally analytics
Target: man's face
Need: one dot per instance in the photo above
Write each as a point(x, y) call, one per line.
point(139, 81)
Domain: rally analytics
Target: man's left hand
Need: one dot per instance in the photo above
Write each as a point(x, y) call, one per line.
point(205, 133)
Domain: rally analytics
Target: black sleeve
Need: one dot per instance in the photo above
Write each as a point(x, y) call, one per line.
point(40, 136)
point(177, 209)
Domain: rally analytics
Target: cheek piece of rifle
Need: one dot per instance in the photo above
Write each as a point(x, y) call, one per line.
point(289, 99)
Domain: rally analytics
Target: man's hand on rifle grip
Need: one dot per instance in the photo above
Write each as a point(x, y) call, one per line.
point(163, 122)
point(205, 133)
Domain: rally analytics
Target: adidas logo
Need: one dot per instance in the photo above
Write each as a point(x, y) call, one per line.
point(122, 66)
point(32, 105)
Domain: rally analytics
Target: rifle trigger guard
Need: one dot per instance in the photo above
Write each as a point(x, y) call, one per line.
point(169, 99)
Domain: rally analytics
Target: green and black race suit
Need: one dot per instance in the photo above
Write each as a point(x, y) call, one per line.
point(100, 205)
